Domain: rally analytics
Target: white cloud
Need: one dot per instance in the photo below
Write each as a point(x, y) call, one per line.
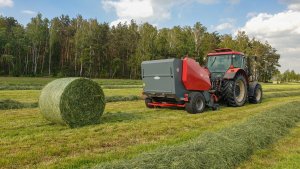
point(251, 14)
point(140, 10)
point(122, 21)
point(224, 26)
point(131, 8)
point(292, 4)
point(151, 11)
point(6, 3)
point(282, 31)
point(294, 7)
point(28, 12)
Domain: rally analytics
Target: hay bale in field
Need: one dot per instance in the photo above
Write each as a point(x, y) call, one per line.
point(72, 101)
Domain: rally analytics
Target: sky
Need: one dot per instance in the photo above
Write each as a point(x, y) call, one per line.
point(275, 21)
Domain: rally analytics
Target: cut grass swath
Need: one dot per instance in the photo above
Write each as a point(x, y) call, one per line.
point(39, 87)
point(72, 101)
point(20, 87)
point(122, 98)
point(226, 148)
point(281, 94)
point(12, 104)
point(117, 98)
point(121, 86)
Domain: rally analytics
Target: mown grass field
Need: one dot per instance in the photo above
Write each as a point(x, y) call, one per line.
point(283, 154)
point(127, 129)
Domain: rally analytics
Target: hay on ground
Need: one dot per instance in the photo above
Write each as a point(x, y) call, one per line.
point(122, 98)
point(13, 104)
point(223, 149)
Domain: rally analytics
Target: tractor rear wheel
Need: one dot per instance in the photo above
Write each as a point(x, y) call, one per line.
point(196, 103)
point(258, 93)
point(147, 101)
point(235, 91)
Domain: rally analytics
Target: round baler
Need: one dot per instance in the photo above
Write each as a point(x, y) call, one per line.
point(177, 83)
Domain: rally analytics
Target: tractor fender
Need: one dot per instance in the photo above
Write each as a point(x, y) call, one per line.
point(231, 73)
point(251, 88)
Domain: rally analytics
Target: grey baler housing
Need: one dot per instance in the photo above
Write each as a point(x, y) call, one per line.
point(162, 78)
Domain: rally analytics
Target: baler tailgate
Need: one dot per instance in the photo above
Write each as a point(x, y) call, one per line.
point(163, 78)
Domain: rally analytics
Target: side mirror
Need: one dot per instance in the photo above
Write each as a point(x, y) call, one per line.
point(248, 65)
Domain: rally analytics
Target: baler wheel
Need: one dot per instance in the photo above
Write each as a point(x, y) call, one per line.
point(258, 93)
point(147, 101)
point(196, 103)
point(235, 91)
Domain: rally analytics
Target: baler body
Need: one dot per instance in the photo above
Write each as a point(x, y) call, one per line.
point(162, 78)
point(172, 80)
point(194, 77)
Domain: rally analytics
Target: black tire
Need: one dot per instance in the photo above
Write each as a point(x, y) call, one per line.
point(148, 100)
point(196, 103)
point(234, 92)
point(258, 95)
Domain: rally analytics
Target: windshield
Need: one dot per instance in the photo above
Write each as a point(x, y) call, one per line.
point(220, 63)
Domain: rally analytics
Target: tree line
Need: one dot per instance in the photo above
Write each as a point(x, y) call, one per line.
point(65, 46)
point(287, 76)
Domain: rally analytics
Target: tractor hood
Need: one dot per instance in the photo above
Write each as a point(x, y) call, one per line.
point(217, 75)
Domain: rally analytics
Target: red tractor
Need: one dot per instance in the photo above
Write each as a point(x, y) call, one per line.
point(184, 83)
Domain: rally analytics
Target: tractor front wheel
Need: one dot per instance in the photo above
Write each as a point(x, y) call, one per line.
point(196, 103)
point(258, 93)
point(235, 91)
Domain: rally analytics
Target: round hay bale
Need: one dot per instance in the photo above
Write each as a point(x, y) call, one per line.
point(72, 101)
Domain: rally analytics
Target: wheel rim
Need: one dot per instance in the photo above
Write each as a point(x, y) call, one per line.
point(258, 94)
point(199, 104)
point(240, 91)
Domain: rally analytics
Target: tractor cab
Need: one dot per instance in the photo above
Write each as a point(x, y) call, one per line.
point(221, 60)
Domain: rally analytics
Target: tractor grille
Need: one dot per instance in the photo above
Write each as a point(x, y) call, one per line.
point(216, 80)
point(216, 84)
point(217, 75)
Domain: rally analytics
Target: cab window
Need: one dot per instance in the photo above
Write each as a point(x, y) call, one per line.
point(237, 60)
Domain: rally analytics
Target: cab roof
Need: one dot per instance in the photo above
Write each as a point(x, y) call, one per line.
point(224, 51)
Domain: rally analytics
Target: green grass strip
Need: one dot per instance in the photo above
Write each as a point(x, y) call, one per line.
point(226, 148)
point(39, 87)
point(12, 104)
point(121, 86)
point(21, 87)
point(281, 94)
point(122, 98)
